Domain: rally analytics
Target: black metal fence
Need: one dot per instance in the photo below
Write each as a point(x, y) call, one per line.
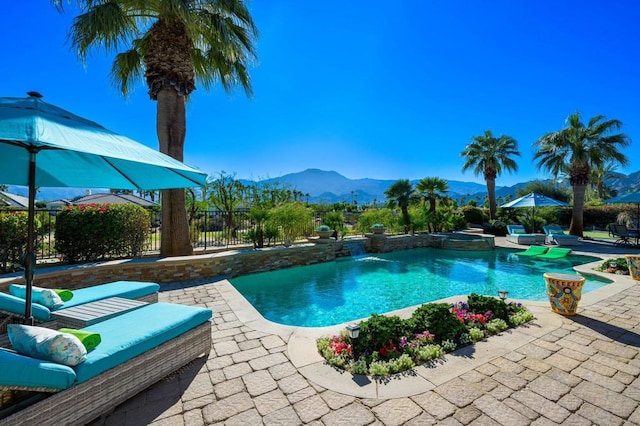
point(207, 229)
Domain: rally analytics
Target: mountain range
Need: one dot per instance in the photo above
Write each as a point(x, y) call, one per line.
point(328, 187)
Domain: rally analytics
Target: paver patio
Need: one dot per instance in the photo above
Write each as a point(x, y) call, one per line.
point(581, 370)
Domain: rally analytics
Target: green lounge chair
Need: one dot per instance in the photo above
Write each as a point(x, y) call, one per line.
point(533, 251)
point(554, 253)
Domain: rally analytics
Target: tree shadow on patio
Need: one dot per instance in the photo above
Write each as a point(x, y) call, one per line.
point(619, 334)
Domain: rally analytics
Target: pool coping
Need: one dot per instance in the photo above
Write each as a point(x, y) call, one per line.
point(302, 351)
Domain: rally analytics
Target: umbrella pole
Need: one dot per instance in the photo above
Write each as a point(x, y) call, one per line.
point(30, 256)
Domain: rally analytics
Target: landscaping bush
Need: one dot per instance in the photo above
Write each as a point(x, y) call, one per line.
point(92, 232)
point(13, 239)
point(438, 319)
point(614, 266)
point(371, 216)
point(389, 345)
point(474, 215)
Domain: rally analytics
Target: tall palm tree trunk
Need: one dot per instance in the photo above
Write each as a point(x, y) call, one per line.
point(577, 225)
point(491, 193)
point(171, 129)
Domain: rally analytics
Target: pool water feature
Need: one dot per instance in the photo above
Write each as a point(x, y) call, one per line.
point(336, 292)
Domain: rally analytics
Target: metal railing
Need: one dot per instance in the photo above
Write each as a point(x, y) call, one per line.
point(207, 229)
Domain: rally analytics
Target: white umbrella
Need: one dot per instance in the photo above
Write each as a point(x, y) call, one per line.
point(43, 145)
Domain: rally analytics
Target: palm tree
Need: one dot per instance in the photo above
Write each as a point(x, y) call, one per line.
point(576, 150)
point(172, 43)
point(599, 174)
point(400, 194)
point(489, 155)
point(432, 189)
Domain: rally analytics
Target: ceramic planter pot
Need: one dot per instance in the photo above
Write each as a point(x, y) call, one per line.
point(564, 291)
point(633, 261)
point(325, 234)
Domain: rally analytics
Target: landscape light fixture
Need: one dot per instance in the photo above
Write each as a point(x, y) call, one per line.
point(502, 294)
point(354, 331)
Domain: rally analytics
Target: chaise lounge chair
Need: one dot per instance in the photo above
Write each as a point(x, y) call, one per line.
point(555, 235)
point(138, 348)
point(554, 253)
point(517, 234)
point(12, 307)
point(533, 251)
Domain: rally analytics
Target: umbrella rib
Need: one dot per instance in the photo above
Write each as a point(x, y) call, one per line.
point(134, 183)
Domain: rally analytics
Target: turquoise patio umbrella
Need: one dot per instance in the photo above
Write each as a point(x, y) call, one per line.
point(534, 200)
point(42, 145)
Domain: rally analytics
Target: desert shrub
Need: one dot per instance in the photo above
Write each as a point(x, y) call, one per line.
point(474, 215)
point(371, 216)
point(92, 232)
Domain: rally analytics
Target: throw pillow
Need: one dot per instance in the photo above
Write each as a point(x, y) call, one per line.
point(42, 296)
point(44, 343)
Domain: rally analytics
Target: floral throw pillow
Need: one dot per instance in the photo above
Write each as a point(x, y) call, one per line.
point(47, 344)
point(42, 296)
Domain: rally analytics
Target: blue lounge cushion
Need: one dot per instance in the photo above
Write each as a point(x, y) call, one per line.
point(16, 305)
point(21, 371)
point(124, 289)
point(129, 335)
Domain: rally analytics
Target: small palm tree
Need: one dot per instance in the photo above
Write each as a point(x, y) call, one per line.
point(400, 194)
point(489, 155)
point(432, 189)
point(171, 43)
point(576, 150)
point(599, 174)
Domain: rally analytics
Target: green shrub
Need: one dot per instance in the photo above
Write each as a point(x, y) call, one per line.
point(92, 232)
point(521, 317)
point(479, 304)
point(379, 369)
point(372, 216)
point(474, 215)
point(496, 326)
point(476, 334)
point(430, 352)
point(402, 363)
point(359, 366)
point(448, 345)
point(379, 330)
point(13, 239)
point(438, 319)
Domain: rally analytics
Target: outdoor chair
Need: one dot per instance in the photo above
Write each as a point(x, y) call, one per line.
point(518, 235)
point(623, 235)
point(555, 235)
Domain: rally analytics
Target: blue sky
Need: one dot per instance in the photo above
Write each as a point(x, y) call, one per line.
point(366, 88)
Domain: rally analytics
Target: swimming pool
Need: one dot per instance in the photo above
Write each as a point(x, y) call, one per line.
point(341, 291)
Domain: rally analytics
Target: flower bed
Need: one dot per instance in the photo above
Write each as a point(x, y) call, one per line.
point(389, 344)
point(614, 266)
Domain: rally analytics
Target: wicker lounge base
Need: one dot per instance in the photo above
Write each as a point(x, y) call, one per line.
point(89, 400)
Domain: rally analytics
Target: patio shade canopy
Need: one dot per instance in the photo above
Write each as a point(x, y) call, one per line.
point(628, 198)
point(534, 200)
point(42, 145)
point(75, 152)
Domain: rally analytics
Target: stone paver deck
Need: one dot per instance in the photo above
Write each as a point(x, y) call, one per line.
point(559, 370)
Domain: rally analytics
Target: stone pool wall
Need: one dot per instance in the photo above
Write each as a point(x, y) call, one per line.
point(223, 264)
point(236, 262)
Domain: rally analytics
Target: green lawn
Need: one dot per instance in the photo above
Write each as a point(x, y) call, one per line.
point(599, 235)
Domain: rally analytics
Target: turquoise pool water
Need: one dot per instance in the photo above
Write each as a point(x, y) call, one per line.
point(345, 290)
